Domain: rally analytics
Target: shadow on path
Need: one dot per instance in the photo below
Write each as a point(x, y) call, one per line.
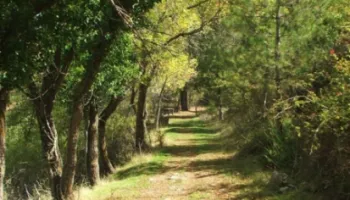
point(191, 130)
point(150, 168)
point(198, 150)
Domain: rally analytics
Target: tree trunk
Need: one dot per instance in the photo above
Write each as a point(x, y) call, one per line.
point(221, 113)
point(70, 165)
point(43, 101)
point(277, 48)
point(4, 95)
point(279, 125)
point(159, 106)
point(184, 99)
point(99, 52)
point(178, 105)
point(132, 99)
point(141, 116)
point(265, 92)
point(93, 170)
point(49, 141)
point(106, 166)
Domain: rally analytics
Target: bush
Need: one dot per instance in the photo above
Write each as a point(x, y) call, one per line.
point(120, 134)
point(24, 159)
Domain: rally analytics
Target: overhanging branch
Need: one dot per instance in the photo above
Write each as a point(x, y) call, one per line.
point(197, 4)
point(197, 30)
point(184, 34)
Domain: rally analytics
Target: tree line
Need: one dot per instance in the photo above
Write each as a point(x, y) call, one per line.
point(275, 71)
point(87, 56)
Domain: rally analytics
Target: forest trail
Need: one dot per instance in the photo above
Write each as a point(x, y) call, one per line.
point(193, 165)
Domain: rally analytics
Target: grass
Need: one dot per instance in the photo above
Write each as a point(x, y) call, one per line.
point(199, 196)
point(128, 180)
point(194, 164)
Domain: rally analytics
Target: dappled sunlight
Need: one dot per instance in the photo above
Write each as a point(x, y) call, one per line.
point(194, 165)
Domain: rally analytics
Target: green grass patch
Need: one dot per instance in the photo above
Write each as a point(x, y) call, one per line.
point(129, 179)
point(199, 196)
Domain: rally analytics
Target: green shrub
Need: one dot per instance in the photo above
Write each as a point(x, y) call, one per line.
point(120, 134)
point(24, 158)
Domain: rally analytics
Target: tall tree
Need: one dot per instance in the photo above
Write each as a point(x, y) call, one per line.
point(93, 168)
point(109, 28)
point(184, 99)
point(118, 71)
point(106, 165)
point(17, 45)
point(3, 105)
point(164, 29)
point(100, 50)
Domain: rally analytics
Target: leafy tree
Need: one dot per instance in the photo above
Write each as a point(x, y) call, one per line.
point(17, 46)
point(164, 29)
point(118, 71)
point(272, 59)
point(174, 71)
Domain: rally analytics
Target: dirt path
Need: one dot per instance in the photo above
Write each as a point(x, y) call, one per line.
point(190, 145)
point(193, 165)
point(198, 166)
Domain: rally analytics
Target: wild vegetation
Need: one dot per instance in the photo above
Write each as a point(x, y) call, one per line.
point(89, 86)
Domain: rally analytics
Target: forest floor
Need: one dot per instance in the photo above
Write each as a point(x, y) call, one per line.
point(193, 165)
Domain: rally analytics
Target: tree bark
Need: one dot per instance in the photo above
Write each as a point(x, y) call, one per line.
point(141, 114)
point(221, 113)
point(43, 102)
point(132, 99)
point(99, 52)
point(106, 166)
point(93, 169)
point(4, 95)
point(265, 93)
point(141, 117)
point(49, 141)
point(279, 125)
point(277, 48)
point(70, 165)
point(159, 106)
point(184, 99)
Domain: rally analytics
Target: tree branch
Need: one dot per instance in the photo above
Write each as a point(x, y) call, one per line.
point(184, 34)
point(110, 108)
point(197, 4)
point(197, 30)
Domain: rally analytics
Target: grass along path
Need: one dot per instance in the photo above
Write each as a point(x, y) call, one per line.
point(193, 165)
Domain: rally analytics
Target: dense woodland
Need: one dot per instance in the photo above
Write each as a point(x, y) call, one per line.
point(84, 83)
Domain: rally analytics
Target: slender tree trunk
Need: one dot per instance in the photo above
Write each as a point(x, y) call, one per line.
point(93, 169)
point(106, 166)
point(279, 125)
point(221, 113)
point(92, 68)
point(178, 105)
point(141, 116)
point(132, 99)
point(159, 106)
point(265, 93)
point(277, 48)
point(4, 95)
point(70, 165)
point(184, 99)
